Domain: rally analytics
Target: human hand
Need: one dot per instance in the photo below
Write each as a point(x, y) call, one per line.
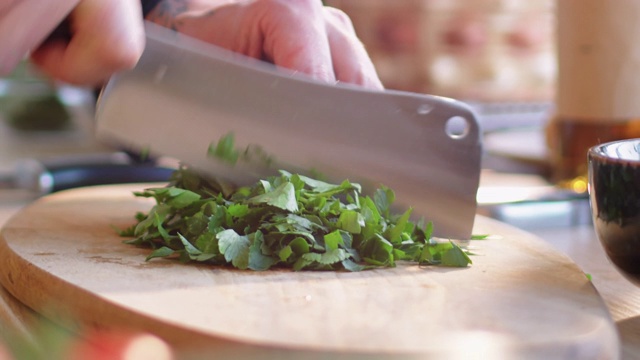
point(302, 35)
point(106, 36)
point(24, 24)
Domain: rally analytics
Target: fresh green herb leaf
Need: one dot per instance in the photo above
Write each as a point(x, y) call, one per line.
point(225, 150)
point(160, 253)
point(455, 256)
point(283, 197)
point(333, 240)
point(350, 221)
point(284, 221)
point(257, 260)
point(234, 247)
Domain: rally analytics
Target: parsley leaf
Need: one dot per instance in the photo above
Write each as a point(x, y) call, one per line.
point(289, 220)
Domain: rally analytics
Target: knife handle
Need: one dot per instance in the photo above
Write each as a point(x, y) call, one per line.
point(90, 175)
point(61, 33)
point(44, 177)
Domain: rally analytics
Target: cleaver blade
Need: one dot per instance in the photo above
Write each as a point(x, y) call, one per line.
point(185, 95)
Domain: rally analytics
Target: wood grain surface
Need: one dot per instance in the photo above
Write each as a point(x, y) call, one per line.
point(63, 258)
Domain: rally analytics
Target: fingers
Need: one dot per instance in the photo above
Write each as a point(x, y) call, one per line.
point(301, 35)
point(24, 24)
point(351, 62)
point(6, 5)
point(107, 36)
point(288, 33)
point(296, 37)
point(317, 40)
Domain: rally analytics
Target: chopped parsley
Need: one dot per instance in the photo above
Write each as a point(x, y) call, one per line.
point(286, 221)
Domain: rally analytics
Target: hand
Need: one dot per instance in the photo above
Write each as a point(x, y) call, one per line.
point(302, 35)
point(24, 24)
point(107, 36)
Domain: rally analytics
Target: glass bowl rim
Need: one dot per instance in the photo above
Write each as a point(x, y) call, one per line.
point(599, 152)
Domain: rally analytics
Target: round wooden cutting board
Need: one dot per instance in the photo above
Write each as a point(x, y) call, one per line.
point(519, 299)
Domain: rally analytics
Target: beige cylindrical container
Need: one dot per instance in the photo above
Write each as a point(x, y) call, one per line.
point(598, 86)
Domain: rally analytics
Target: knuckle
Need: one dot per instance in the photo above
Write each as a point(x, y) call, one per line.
point(123, 60)
point(290, 7)
point(340, 17)
point(120, 57)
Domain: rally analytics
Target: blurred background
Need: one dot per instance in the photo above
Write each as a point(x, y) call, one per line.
point(42, 118)
point(479, 50)
point(497, 55)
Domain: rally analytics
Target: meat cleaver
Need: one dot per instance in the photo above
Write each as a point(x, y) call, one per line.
point(185, 96)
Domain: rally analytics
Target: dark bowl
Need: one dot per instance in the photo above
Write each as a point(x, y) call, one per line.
point(614, 190)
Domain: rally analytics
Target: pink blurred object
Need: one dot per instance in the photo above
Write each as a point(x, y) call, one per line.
point(483, 50)
point(25, 24)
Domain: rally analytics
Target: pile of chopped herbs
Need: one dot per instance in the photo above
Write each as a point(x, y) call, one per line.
point(289, 221)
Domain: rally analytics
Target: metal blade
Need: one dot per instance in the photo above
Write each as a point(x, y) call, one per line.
point(185, 95)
